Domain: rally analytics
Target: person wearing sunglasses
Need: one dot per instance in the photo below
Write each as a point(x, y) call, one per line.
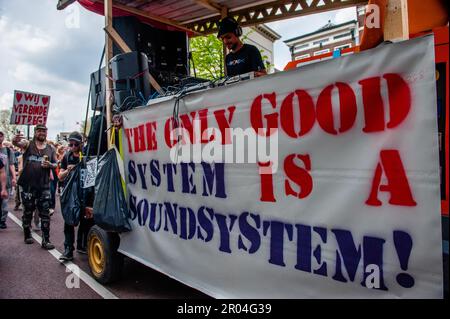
point(71, 158)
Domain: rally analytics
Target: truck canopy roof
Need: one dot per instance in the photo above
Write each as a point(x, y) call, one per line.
point(200, 17)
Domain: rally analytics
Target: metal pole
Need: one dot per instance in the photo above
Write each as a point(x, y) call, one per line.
point(223, 14)
point(108, 81)
point(28, 131)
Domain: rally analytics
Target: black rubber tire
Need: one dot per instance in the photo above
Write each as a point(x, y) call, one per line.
point(113, 260)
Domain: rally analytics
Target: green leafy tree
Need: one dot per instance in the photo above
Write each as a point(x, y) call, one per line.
point(207, 54)
point(5, 126)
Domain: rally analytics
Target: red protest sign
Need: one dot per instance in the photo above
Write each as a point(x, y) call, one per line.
point(29, 108)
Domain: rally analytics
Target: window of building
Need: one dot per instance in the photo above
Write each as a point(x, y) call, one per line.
point(320, 41)
point(303, 56)
point(339, 36)
point(321, 52)
point(344, 46)
point(303, 46)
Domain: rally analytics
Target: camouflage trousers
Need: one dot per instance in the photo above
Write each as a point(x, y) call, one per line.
point(40, 199)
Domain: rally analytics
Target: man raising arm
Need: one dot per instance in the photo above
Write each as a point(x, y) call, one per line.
point(38, 158)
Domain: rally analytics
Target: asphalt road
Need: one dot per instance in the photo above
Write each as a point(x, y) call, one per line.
point(30, 272)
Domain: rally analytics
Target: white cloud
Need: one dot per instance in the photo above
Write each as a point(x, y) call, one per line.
point(44, 56)
point(24, 39)
point(27, 73)
point(6, 101)
point(67, 98)
point(345, 15)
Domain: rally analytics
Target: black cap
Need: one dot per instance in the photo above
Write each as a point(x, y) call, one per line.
point(75, 136)
point(227, 25)
point(40, 127)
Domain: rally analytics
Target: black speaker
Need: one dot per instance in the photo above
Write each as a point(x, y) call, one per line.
point(98, 99)
point(178, 46)
point(131, 80)
point(130, 30)
point(166, 59)
point(165, 50)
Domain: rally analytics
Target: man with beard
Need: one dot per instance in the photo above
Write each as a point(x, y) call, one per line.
point(243, 58)
point(38, 158)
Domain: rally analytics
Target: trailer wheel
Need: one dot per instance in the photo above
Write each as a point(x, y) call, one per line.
point(105, 262)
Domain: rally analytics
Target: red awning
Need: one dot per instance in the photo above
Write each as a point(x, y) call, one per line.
point(98, 7)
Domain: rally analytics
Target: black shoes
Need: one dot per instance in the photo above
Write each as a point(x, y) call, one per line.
point(27, 236)
point(46, 244)
point(3, 225)
point(67, 255)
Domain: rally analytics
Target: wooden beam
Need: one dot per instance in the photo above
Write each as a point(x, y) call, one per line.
point(108, 82)
point(209, 4)
point(277, 11)
point(137, 3)
point(148, 15)
point(396, 26)
point(123, 46)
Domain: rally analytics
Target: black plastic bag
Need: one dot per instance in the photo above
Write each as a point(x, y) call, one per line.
point(71, 198)
point(110, 206)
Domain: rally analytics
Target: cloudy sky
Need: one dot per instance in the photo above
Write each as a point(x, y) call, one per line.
point(53, 52)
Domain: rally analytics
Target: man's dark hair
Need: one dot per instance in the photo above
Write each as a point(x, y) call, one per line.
point(40, 127)
point(227, 25)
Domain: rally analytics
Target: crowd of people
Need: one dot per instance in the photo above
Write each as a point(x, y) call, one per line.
point(35, 171)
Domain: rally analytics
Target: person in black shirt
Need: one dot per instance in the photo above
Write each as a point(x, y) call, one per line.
point(243, 58)
point(68, 163)
point(38, 158)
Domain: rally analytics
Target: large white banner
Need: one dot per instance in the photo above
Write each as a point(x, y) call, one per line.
point(349, 207)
